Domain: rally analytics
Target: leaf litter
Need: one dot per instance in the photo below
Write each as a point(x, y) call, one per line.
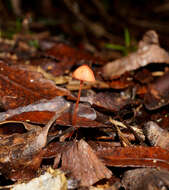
point(36, 116)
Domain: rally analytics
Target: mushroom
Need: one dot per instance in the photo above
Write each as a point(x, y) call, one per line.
point(82, 73)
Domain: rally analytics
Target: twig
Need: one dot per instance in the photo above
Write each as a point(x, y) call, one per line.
point(123, 139)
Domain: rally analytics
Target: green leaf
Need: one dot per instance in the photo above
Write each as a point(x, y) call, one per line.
point(115, 47)
point(127, 37)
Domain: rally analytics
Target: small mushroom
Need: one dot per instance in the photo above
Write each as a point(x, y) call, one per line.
point(82, 73)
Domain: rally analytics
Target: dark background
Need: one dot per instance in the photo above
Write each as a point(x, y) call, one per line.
point(93, 21)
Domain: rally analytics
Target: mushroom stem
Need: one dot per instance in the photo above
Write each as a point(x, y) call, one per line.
point(74, 118)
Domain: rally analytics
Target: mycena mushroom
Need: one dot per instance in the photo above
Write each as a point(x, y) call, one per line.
point(85, 74)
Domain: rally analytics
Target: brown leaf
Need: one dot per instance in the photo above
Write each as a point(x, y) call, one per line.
point(42, 111)
point(82, 163)
point(137, 156)
point(38, 112)
point(158, 93)
point(156, 135)
point(110, 101)
point(146, 178)
point(149, 52)
point(20, 153)
point(79, 160)
point(21, 86)
point(66, 119)
point(51, 65)
point(69, 56)
point(55, 148)
point(8, 128)
point(121, 83)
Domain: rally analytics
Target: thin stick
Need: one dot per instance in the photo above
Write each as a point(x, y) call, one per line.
point(74, 118)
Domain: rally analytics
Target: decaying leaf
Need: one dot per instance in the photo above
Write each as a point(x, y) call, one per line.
point(137, 156)
point(8, 128)
point(83, 164)
point(42, 111)
point(51, 180)
point(146, 178)
point(158, 93)
point(69, 56)
point(34, 112)
point(108, 100)
point(28, 92)
point(156, 135)
point(21, 86)
point(148, 52)
point(20, 154)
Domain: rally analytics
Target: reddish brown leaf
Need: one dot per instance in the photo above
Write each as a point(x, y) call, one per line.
point(50, 65)
point(123, 82)
point(20, 86)
point(68, 56)
point(66, 119)
point(60, 58)
point(119, 84)
point(39, 117)
point(163, 116)
point(39, 112)
point(137, 156)
point(158, 93)
point(22, 152)
point(55, 148)
point(144, 76)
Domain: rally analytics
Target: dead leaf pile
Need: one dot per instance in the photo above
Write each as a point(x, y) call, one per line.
point(122, 120)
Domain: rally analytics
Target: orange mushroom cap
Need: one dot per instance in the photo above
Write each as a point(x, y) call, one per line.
point(84, 73)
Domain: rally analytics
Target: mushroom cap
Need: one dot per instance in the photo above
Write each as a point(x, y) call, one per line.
point(84, 73)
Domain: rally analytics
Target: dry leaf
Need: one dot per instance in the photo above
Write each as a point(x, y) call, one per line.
point(149, 52)
point(147, 179)
point(82, 163)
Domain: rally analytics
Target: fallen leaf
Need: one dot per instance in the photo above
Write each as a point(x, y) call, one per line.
point(137, 156)
point(146, 178)
point(82, 163)
point(158, 93)
point(149, 52)
point(20, 154)
point(38, 112)
point(156, 135)
point(51, 179)
point(70, 56)
point(110, 101)
point(21, 86)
